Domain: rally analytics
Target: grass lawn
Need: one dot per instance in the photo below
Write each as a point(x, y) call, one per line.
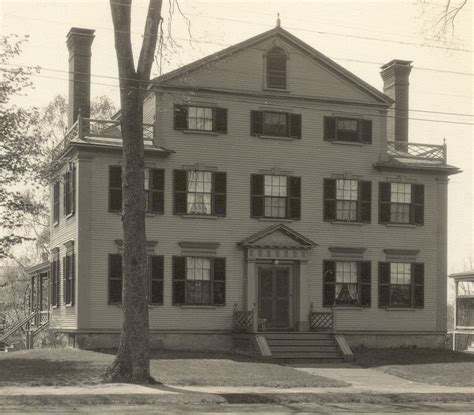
point(54, 367)
point(436, 367)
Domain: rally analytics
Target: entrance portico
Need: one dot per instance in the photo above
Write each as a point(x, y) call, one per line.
point(277, 278)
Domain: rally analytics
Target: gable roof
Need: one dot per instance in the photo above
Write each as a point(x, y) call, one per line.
point(278, 236)
point(278, 31)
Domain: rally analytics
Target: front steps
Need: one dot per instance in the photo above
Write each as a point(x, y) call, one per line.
point(295, 347)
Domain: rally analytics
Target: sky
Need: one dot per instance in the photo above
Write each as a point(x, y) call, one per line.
point(359, 35)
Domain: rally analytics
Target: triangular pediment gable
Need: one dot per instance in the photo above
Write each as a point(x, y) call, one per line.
point(278, 236)
point(333, 71)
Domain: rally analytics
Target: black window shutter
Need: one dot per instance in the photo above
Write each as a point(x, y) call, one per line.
point(418, 203)
point(180, 187)
point(329, 196)
point(295, 123)
point(179, 280)
point(329, 283)
point(418, 284)
point(115, 188)
point(365, 201)
point(219, 281)
point(73, 189)
point(73, 277)
point(56, 188)
point(329, 128)
point(384, 202)
point(366, 131)
point(257, 203)
point(365, 279)
point(294, 198)
point(157, 191)
point(180, 117)
point(221, 120)
point(156, 280)
point(115, 279)
point(220, 193)
point(65, 194)
point(256, 122)
point(65, 270)
point(384, 284)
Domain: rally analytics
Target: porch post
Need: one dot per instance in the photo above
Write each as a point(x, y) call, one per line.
point(303, 309)
point(251, 292)
point(455, 313)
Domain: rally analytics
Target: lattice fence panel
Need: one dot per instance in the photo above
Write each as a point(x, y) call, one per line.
point(321, 321)
point(243, 320)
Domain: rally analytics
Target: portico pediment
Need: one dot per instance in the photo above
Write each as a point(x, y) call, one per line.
point(278, 237)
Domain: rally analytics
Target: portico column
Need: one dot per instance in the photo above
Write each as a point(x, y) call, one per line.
point(303, 309)
point(251, 292)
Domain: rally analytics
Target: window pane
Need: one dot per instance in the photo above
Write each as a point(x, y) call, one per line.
point(200, 118)
point(346, 283)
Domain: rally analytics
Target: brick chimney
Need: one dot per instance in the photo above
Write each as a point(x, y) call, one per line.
point(79, 43)
point(395, 84)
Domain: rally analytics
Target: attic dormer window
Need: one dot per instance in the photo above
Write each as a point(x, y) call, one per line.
point(276, 68)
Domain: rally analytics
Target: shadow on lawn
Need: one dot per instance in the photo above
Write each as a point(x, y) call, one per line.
point(408, 356)
point(47, 372)
point(167, 354)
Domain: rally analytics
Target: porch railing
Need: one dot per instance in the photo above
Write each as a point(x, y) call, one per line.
point(243, 320)
point(321, 321)
point(417, 151)
point(84, 128)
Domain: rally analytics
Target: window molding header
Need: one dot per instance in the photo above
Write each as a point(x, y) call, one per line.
point(198, 248)
point(346, 252)
point(401, 254)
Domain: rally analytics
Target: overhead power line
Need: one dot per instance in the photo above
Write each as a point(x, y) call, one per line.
point(151, 82)
point(268, 102)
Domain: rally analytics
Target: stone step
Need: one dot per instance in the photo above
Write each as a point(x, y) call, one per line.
point(306, 355)
point(312, 360)
point(304, 349)
point(296, 335)
point(307, 342)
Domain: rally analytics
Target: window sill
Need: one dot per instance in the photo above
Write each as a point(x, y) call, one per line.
point(348, 143)
point(269, 88)
point(276, 137)
point(69, 215)
point(191, 216)
point(200, 132)
point(349, 307)
point(204, 307)
point(154, 305)
point(54, 307)
point(400, 309)
point(68, 305)
point(342, 222)
point(151, 214)
point(55, 224)
point(285, 220)
point(400, 225)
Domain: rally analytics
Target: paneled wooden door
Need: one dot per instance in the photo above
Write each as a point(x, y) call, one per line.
point(275, 288)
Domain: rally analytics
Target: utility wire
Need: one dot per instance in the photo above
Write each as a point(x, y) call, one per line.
point(152, 83)
point(267, 102)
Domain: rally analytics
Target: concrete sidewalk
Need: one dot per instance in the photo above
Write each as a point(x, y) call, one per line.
point(362, 381)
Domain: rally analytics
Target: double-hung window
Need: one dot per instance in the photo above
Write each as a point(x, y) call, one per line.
point(346, 283)
point(275, 196)
point(55, 277)
point(69, 193)
point(401, 203)
point(401, 284)
point(199, 192)
point(347, 200)
point(347, 129)
point(154, 189)
point(275, 124)
point(200, 118)
point(69, 276)
point(154, 271)
point(198, 280)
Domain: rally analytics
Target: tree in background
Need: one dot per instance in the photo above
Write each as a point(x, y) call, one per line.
point(132, 363)
point(441, 17)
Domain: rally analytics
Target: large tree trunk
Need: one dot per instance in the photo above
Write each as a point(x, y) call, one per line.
point(132, 363)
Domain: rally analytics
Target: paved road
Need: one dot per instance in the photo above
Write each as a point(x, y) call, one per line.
point(353, 408)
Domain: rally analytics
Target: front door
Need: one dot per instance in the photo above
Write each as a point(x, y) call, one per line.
point(274, 296)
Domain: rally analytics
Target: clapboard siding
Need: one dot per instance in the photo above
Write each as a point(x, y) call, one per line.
point(240, 154)
point(244, 71)
point(63, 316)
